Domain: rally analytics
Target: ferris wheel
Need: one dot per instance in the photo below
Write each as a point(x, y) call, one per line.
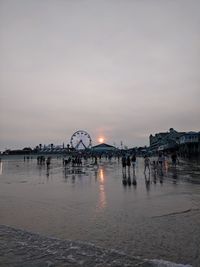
point(81, 140)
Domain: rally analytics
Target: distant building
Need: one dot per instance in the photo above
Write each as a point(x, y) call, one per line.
point(51, 148)
point(104, 148)
point(165, 141)
point(190, 144)
point(25, 151)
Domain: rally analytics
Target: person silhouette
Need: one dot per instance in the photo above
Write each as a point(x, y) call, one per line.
point(133, 160)
point(128, 163)
point(146, 163)
point(123, 164)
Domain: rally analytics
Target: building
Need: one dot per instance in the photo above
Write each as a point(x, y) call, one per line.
point(190, 144)
point(51, 148)
point(104, 148)
point(165, 141)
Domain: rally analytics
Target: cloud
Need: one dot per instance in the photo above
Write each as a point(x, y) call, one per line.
point(124, 69)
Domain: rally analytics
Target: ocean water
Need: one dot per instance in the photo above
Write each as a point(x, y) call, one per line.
point(156, 221)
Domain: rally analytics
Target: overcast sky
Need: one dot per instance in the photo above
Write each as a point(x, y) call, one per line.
point(121, 69)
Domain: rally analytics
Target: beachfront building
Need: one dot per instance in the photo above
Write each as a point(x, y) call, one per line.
point(190, 144)
point(165, 141)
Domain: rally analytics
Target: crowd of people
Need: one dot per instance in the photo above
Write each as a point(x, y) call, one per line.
point(127, 160)
point(153, 163)
point(160, 162)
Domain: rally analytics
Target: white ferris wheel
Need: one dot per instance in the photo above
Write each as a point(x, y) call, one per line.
point(80, 140)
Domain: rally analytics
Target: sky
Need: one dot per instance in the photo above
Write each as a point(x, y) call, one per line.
point(118, 69)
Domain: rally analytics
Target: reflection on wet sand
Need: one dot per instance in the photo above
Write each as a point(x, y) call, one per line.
point(1, 167)
point(174, 175)
point(129, 177)
point(157, 174)
point(102, 193)
point(147, 180)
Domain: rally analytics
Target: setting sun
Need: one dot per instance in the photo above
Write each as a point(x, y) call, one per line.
point(101, 140)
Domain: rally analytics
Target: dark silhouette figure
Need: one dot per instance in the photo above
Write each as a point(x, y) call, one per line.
point(174, 158)
point(133, 160)
point(123, 164)
point(128, 163)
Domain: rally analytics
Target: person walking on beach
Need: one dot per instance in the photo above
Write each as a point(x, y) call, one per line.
point(123, 163)
point(161, 160)
point(146, 163)
point(133, 160)
point(128, 163)
point(174, 158)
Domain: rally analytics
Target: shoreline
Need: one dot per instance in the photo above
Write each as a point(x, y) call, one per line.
point(24, 248)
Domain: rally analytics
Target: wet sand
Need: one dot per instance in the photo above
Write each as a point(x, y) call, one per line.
point(158, 219)
point(21, 248)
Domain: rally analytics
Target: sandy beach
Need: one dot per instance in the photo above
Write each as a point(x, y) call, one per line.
point(158, 218)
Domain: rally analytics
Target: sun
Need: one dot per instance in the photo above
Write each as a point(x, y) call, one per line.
point(101, 140)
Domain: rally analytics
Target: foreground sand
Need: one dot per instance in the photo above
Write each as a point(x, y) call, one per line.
point(19, 248)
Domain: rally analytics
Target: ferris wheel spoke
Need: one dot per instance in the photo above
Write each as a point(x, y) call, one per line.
point(83, 144)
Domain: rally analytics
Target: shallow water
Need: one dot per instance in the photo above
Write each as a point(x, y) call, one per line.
point(156, 219)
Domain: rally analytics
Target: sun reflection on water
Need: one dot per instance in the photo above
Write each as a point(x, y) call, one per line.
point(101, 175)
point(102, 194)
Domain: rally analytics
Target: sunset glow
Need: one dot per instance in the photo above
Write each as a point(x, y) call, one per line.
point(101, 140)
